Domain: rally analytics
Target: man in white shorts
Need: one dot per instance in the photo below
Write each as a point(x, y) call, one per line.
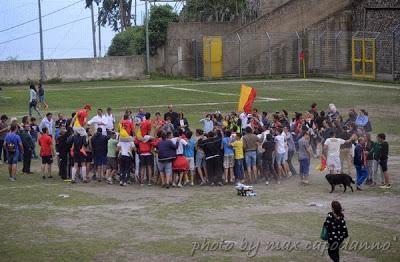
point(332, 153)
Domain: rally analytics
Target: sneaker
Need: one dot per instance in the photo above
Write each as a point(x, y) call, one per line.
point(278, 182)
point(212, 184)
point(12, 179)
point(220, 184)
point(359, 188)
point(167, 186)
point(388, 186)
point(173, 184)
point(49, 177)
point(73, 182)
point(191, 184)
point(149, 184)
point(44, 177)
point(121, 183)
point(203, 183)
point(124, 184)
point(179, 185)
point(267, 183)
point(109, 181)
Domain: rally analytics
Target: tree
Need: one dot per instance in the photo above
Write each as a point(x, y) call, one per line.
point(160, 17)
point(212, 10)
point(129, 42)
point(132, 40)
point(115, 13)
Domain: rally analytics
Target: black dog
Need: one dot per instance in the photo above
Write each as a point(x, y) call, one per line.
point(340, 179)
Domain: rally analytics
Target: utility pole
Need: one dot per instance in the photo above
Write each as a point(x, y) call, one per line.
point(147, 40)
point(135, 13)
point(98, 14)
point(93, 31)
point(41, 44)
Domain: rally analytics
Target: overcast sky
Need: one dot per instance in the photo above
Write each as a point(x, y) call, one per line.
point(73, 40)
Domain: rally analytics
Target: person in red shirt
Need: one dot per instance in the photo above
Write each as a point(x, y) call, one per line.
point(80, 120)
point(157, 123)
point(145, 125)
point(46, 152)
point(127, 124)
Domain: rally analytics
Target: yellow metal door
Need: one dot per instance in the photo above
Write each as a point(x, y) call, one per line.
point(363, 58)
point(212, 56)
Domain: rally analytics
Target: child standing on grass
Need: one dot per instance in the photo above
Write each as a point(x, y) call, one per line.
point(237, 145)
point(46, 152)
point(166, 153)
point(228, 158)
point(112, 164)
point(13, 147)
point(188, 152)
point(34, 133)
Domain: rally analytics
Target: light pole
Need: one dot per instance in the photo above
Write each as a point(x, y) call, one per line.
point(41, 44)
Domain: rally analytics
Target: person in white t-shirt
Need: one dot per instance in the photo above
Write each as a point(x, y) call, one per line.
point(125, 150)
point(110, 120)
point(332, 153)
point(244, 118)
point(99, 121)
point(280, 151)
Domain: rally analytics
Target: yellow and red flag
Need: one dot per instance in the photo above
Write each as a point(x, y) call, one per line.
point(247, 97)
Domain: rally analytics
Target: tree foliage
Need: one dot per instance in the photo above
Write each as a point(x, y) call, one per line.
point(115, 13)
point(213, 10)
point(132, 40)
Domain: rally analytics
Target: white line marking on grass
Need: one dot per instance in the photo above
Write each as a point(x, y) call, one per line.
point(218, 93)
point(338, 82)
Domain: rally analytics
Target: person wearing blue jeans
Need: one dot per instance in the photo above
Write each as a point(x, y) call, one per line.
point(360, 162)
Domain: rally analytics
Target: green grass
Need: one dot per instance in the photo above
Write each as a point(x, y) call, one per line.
point(103, 223)
point(382, 104)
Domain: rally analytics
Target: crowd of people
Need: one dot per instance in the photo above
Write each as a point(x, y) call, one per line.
point(164, 150)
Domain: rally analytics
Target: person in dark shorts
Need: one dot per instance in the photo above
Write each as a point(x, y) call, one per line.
point(78, 156)
point(383, 158)
point(46, 152)
point(112, 163)
point(13, 147)
point(99, 150)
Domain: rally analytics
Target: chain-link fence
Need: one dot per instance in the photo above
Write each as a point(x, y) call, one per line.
point(340, 54)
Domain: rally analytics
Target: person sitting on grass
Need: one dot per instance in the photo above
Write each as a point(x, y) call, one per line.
point(46, 152)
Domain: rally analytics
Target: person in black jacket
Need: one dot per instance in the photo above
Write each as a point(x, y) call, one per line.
point(212, 150)
point(99, 151)
point(27, 142)
point(62, 150)
point(337, 230)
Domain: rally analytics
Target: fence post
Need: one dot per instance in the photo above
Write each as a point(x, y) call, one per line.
point(394, 51)
point(209, 59)
point(269, 54)
point(298, 52)
point(196, 61)
point(240, 55)
point(336, 54)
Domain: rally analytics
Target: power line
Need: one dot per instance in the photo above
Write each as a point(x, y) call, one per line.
point(48, 29)
point(32, 20)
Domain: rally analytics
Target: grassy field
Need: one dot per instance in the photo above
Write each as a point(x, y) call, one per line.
point(99, 222)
